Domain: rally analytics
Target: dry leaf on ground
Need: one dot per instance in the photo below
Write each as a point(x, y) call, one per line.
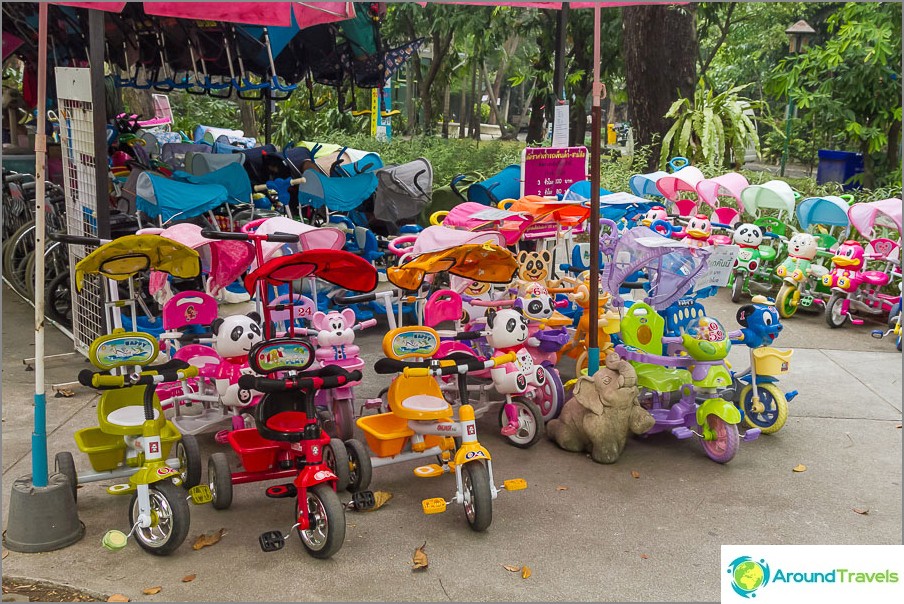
point(150, 591)
point(561, 488)
point(189, 578)
point(635, 474)
point(381, 498)
point(65, 393)
point(5, 553)
point(118, 598)
point(510, 568)
point(861, 511)
point(419, 560)
point(799, 468)
point(525, 572)
point(644, 556)
point(208, 539)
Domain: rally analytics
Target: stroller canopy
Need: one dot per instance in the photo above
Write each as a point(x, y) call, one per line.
point(164, 198)
point(671, 266)
point(505, 185)
point(403, 191)
point(775, 195)
point(437, 237)
point(483, 262)
point(685, 179)
point(231, 176)
point(644, 185)
point(203, 163)
point(338, 194)
point(730, 184)
point(223, 261)
point(828, 211)
point(131, 254)
point(884, 213)
point(338, 267)
point(309, 237)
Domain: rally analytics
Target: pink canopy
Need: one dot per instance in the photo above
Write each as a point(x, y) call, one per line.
point(685, 179)
point(252, 13)
point(436, 238)
point(224, 261)
point(309, 237)
point(865, 216)
point(730, 184)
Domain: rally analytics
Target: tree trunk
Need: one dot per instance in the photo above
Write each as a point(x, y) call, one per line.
point(894, 133)
point(474, 123)
point(441, 45)
point(462, 105)
point(535, 126)
point(447, 102)
point(869, 172)
point(249, 124)
point(494, 111)
point(657, 73)
point(409, 99)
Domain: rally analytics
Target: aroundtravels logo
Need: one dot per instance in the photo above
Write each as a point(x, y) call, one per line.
point(748, 575)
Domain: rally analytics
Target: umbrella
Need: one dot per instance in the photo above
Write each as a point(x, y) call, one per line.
point(305, 14)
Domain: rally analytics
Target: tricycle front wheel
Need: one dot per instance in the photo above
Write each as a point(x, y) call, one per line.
point(326, 521)
point(775, 408)
point(478, 499)
point(784, 301)
point(170, 519)
point(725, 446)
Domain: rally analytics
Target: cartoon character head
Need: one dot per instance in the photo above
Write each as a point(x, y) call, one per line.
point(759, 322)
point(538, 308)
point(508, 328)
point(655, 213)
point(335, 327)
point(468, 287)
point(699, 227)
point(534, 266)
point(803, 245)
point(748, 235)
point(234, 336)
point(849, 255)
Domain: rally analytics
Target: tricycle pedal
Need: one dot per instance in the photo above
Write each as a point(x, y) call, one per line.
point(752, 434)
point(682, 432)
point(790, 395)
point(428, 471)
point(280, 491)
point(121, 489)
point(435, 505)
point(806, 301)
point(200, 494)
point(363, 500)
point(114, 540)
point(373, 403)
point(856, 321)
point(514, 484)
point(877, 333)
point(272, 541)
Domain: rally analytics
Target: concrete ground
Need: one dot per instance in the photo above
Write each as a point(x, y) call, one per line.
point(587, 531)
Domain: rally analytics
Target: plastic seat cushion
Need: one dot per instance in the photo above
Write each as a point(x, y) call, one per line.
point(660, 379)
point(132, 415)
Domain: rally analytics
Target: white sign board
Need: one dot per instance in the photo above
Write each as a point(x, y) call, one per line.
point(718, 267)
point(560, 126)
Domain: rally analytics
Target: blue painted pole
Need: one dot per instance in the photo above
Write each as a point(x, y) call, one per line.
point(39, 436)
point(593, 350)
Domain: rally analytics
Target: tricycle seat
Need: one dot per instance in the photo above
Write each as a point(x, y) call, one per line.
point(876, 278)
point(767, 252)
point(660, 379)
point(132, 415)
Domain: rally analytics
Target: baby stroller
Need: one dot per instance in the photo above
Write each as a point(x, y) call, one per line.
point(402, 192)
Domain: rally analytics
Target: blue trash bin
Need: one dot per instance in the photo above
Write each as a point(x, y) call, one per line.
point(839, 166)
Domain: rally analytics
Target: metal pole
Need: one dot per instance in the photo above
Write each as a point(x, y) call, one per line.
point(39, 436)
point(99, 96)
point(790, 112)
point(593, 351)
point(559, 71)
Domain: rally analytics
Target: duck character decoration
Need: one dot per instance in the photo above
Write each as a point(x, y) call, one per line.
point(847, 264)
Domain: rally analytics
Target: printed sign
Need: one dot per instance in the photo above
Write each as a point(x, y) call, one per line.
point(560, 126)
point(119, 350)
point(718, 267)
point(548, 171)
point(282, 355)
point(414, 344)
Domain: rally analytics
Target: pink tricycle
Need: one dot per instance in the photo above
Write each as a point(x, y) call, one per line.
point(857, 290)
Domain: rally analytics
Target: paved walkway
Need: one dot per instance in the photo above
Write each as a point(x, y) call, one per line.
point(587, 531)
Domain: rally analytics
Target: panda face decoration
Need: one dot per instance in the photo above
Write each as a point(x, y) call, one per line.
point(508, 328)
point(537, 308)
point(748, 235)
point(236, 335)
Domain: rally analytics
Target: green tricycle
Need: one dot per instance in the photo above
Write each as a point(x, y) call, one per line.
point(133, 438)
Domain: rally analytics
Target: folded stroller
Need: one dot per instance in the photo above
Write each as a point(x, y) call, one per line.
point(505, 185)
point(336, 194)
point(165, 199)
point(403, 191)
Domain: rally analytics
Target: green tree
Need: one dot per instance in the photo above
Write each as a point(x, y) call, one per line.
point(852, 82)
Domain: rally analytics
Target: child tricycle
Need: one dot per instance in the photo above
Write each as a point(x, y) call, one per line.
point(133, 438)
point(764, 404)
point(288, 441)
point(420, 424)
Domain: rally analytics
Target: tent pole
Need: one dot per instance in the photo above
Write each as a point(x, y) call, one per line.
point(39, 436)
point(593, 356)
point(99, 95)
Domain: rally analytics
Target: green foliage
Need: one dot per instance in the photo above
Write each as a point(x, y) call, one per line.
point(189, 111)
point(852, 82)
point(712, 129)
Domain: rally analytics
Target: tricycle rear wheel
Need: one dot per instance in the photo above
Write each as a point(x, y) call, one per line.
point(219, 479)
point(725, 446)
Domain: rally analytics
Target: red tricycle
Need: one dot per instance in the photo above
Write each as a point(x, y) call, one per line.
point(289, 442)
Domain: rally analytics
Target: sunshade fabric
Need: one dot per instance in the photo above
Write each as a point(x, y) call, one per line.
point(338, 267)
point(163, 255)
point(482, 262)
